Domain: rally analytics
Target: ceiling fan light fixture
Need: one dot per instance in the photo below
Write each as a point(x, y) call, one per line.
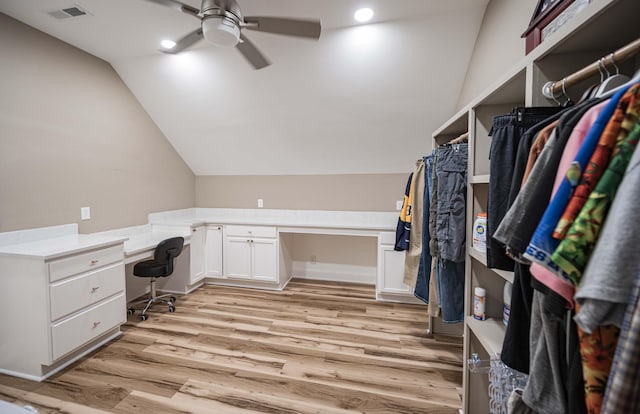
point(220, 31)
point(168, 44)
point(363, 15)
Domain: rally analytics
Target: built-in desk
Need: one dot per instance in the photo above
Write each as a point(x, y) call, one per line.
point(259, 246)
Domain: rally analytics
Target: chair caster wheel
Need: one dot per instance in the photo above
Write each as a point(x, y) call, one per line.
point(144, 317)
point(172, 308)
point(131, 311)
point(172, 299)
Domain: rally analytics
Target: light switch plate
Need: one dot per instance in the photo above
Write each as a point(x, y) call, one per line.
point(260, 203)
point(85, 213)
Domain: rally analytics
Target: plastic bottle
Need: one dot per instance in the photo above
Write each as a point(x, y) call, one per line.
point(506, 306)
point(478, 303)
point(480, 232)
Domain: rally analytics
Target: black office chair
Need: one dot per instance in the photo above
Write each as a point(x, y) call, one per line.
point(161, 266)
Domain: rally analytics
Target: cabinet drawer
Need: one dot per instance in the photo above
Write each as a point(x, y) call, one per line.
point(75, 293)
point(250, 231)
point(69, 266)
point(85, 326)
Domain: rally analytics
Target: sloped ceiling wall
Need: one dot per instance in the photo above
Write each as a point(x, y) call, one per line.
point(363, 99)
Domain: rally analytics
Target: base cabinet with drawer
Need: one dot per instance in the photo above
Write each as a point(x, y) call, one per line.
point(251, 253)
point(54, 311)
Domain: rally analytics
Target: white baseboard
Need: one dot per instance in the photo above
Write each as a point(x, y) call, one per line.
point(334, 272)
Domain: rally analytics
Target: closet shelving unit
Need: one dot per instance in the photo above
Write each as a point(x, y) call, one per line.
point(601, 28)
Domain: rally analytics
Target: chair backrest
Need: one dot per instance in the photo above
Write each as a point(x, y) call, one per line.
point(167, 250)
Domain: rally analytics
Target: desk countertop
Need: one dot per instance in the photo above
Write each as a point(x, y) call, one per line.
point(50, 243)
point(52, 248)
point(357, 220)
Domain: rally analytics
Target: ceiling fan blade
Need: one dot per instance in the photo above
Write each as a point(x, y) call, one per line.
point(185, 42)
point(284, 26)
point(176, 5)
point(251, 53)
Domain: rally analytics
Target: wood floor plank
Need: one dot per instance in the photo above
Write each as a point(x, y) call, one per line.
point(316, 347)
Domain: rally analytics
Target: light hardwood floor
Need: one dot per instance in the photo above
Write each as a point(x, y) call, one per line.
point(316, 347)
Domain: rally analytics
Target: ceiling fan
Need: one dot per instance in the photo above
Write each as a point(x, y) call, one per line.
point(222, 23)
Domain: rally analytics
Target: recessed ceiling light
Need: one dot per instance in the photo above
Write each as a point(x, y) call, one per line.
point(363, 15)
point(168, 44)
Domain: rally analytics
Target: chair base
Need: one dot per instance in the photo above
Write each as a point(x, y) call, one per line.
point(150, 300)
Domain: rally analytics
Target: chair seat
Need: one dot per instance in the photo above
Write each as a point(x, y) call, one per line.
point(151, 268)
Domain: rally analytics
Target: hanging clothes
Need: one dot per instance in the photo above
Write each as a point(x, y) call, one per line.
point(450, 192)
point(542, 245)
point(403, 228)
point(423, 281)
point(412, 257)
point(506, 133)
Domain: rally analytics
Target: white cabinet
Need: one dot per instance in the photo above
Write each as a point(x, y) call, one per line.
point(237, 257)
point(264, 259)
point(213, 251)
point(53, 311)
point(390, 285)
point(197, 257)
point(251, 253)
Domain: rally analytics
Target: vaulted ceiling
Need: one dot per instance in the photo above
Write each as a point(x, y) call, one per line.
point(362, 99)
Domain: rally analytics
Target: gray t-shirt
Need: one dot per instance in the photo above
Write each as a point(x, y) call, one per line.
point(604, 289)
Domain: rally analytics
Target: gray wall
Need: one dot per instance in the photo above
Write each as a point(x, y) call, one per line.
point(73, 135)
point(498, 46)
point(366, 192)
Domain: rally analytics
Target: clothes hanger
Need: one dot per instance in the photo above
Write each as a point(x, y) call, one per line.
point(635, 79)
point(553, 95)
point(613, 80)
point(568, 102)
point(594, 91)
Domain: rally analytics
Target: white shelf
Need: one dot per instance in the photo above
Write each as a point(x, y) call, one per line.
point(480, 179)
point(457, 124)
point(490, 333)
point(506, 275)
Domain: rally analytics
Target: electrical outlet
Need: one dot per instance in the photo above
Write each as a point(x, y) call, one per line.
point(85, 213)
point(398, 205)
point(260, 203)
point(313, 259)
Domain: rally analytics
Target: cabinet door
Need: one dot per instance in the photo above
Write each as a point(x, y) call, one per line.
point(197, 253)
point(265, 259)
point(237, 258)
point(213, 251)
point(391, 272)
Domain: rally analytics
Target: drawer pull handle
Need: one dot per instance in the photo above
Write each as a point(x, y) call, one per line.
point(94, 262)
point(96, 324)
point(94, 289)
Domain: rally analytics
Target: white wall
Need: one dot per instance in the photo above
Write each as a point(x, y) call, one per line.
point(498, 46)
point(72, 135)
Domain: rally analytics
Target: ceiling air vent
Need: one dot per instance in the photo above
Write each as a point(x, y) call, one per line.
point(67, 13)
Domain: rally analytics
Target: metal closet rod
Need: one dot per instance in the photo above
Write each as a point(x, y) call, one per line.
point(552, 89)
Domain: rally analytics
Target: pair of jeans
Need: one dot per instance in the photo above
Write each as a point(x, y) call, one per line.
point(421, 290)
point(451, 173)
point(451, 290)
point(506, 132)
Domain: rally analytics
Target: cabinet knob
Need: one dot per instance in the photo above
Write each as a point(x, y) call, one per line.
point(94, 262)
point(94, 289)
point(96, 324)
point(219, 227)
point(194, 230)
